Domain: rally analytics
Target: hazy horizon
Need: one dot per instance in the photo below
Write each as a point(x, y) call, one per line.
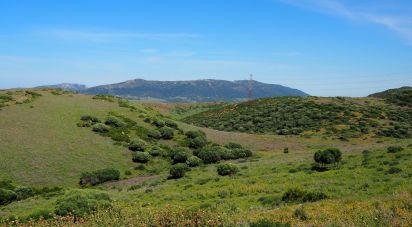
point(322, 47)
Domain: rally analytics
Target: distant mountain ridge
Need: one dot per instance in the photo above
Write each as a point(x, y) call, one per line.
point(66, 86)
point(193, 90)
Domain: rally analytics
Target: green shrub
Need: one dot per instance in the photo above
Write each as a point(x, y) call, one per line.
point(298, 195)
point(84, 124)
point(7, 196)
point(394, 170)
point(159, 123)
point(79, 202)
point(141, 157)
point(155, 134)
point(155, 151)
point(328, 156)
point(194, 161)
point(137, 145)
point(115, 122)
point(241, 153)
point(197, 142)
point(233, 146)
point(180, 157)
point(99, 127)
point(286, 150)
point(209, 155)
point(225, 169)
point(127, 173)
point(90, 118)
point(171, 124)
point(24, 192)
point(167, 133)
point(178, 171)
point(99, 176)
point(194, 134)
point(394, 149)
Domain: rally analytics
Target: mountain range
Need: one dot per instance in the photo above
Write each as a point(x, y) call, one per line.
point(186, 91)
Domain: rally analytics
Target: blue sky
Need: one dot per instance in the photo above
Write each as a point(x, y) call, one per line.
point(323, 47)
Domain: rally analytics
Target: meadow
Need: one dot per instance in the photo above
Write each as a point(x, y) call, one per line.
point(43, 146)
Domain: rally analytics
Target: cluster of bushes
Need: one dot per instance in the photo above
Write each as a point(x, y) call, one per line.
point(325, 159)
point(215, 153)
point(295, 115)
point(293, 195)
point(79, 202)
point(203, 152)
point(5, 98)
point(99, 176)
point(10, 192)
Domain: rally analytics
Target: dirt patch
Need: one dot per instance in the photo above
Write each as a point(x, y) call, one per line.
point(130, 181)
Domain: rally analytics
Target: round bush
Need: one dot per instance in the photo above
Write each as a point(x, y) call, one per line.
point(180, 157)
point(80, 202)
point(225, 169)
point(159, 123)
point(155, 151)
point(90, 118)
point(328, 156)
point(7, 196)
point(197, 142)
point(141, 157)
point(194, 134)
point(241, 153)
point(167, 133)
point(24, 192)
point(233, 146)
point(155, 134)
point(194, 161)
point(114, 122)
point(99, 127)
point(171, 124)
point(137, 145)
point(209, 155)
point(178, 171)
point(394, 149)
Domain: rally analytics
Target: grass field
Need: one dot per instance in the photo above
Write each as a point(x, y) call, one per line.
point(42, 146)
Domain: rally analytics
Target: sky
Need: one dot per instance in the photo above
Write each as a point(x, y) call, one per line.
point(322, 47)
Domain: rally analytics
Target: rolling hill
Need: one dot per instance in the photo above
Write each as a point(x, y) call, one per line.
point(338, 117)
point(399, 96)
point(59, 149)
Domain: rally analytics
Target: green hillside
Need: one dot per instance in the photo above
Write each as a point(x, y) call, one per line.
point(399, 96)
point(121, 163)
point(335, 117)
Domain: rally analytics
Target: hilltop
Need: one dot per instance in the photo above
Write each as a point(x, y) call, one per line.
point(193, 91)
point(399, 96)
point(337, 117)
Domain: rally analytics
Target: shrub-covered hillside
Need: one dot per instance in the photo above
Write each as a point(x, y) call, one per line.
point(399, 96)
point(340, 117)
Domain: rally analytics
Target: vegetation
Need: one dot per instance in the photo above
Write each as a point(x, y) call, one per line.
point(81, 202)
point(339, 117)
point(227, 169)
point(400, 96)
point(99, 176)
point(141, 157)
point(371, 187)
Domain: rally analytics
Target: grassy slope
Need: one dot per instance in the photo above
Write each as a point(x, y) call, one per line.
point(43, 146)
point(360, 194)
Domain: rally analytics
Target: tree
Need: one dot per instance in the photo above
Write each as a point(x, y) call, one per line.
point(328, 156)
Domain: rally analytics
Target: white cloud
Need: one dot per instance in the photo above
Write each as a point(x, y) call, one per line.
point(371, 11)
